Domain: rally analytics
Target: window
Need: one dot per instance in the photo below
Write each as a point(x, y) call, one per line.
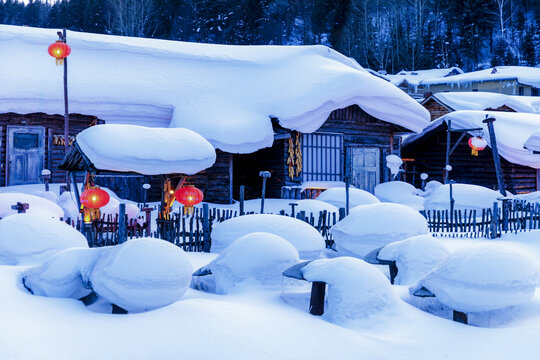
point(322, 155)
point(475, 90)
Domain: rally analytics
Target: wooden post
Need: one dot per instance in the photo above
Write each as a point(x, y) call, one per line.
point(392, 267)
point(121, 223)
point(265, 175)
point(447, 162)
point(206, 228)
point(347, 185)
point(316, 302)
point(342, 213)
point(242, 194)
point(452, 202)
point(301, 215)
point(20, 207)
point(75, 189)
point(459, 317)
point(293, 206)
point(495, 221)
point(496, 158)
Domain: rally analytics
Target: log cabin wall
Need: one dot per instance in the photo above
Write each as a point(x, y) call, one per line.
point(429, 157)
point(436, 110)
point(216, 181)
point(54, 126)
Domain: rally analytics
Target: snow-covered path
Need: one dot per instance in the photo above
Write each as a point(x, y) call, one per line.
point(247, 325)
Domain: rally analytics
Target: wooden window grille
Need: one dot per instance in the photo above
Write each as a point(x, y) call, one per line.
point(322, 157)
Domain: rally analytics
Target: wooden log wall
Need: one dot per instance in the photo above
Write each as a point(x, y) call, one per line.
point(54, 126)
point(435, 109)
point(216, 181)
point(429, 157)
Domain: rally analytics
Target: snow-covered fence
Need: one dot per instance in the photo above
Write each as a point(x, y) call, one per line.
point(513, 216)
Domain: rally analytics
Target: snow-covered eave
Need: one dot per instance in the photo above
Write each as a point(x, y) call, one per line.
point(452, 81)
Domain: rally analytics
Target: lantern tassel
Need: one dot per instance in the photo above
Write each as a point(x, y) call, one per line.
point(474, 152)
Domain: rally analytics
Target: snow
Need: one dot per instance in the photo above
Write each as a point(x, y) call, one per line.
point(394, 162)
point(261, 257)
point(511, 130)
point(36, 205)
point(337, 197)
point(414, 257)
point(482, 278)
point(533, 141)
point(31, 238)
point(523, 74)
point(190, 84)
point(466, 196)
point(399, 192)
point(148, 151)
point(304, 237)
point(356, 289)
point(368, 227)
point(417, 77)
point(274, 206)
point(429, 188)
point(141, 274)
point(138, 275)
point(60, 276)
point(320, 185)
point(477, 100)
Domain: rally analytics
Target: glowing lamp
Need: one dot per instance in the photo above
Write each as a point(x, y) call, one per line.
point(477, 144)
point(59, 50)
point(94, 198)
point(188, 196)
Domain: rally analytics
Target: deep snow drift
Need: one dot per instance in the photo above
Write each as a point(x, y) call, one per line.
point(368, 227)
point(261, 257)
point(466, 196)
point(399, 192)
point(337, 197)
point(31, 239)
point(36, 205)
point(305, 238)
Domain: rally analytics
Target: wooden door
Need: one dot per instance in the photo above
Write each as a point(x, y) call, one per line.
point(365, 167)
point(25, 154)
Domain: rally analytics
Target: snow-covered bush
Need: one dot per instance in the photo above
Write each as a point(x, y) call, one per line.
point(31, 238)
point(481, 278)
point(368, 227)
point(337, 197)
point(356, 289)
point(414, 257)
point(36, 205)
point(399, 192)
point(428, 189)
point(466, 196)
point(305, 238)
point(141, 274)
point(259, 256)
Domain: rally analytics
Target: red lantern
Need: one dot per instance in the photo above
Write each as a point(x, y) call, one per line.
point(477, 144)
point(188, 196)
point(59, 50)
point(94, 198)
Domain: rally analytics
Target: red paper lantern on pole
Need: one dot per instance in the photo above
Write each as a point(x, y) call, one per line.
point(188, 196)
point(94, 198)
point(59, 50)
point(477, 144)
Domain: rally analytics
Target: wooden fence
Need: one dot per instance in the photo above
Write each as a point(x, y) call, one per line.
point(512, 217)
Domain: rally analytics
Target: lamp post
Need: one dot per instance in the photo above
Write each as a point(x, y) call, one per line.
point(61, 50)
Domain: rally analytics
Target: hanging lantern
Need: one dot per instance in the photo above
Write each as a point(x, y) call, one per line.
point(477, 144)
point(188, 196)
point(59, 50)
point(94, 198)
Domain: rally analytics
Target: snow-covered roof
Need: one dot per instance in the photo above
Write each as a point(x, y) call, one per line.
point(511, 129)
point(486, 100)
point(148, 151)
point(225, 93)
point(523, 74)
point(414, 78)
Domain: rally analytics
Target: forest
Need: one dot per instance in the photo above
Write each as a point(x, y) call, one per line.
point(384, 35)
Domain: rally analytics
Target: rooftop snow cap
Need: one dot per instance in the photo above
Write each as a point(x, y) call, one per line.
point(469, 100)
point(225, 93)
point(523, 74)
point(148, 151)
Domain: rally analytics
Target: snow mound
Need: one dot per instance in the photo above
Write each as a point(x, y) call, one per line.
point(60, 276)
point(356, 289)
point(482, 278)
point(336, 196)
point(141, 274)
point(165, 150)
point(399, 192)
point(368, 227)
point(466, 196)
point(274, 206)
point(68, 204)
point(259, 256)
point(429, 188)
point(36, 205)
point(31, 238)
point(304, 237)
point(414, 257)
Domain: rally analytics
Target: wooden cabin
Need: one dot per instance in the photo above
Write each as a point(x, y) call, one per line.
point(427, 154)
point(351, 142)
